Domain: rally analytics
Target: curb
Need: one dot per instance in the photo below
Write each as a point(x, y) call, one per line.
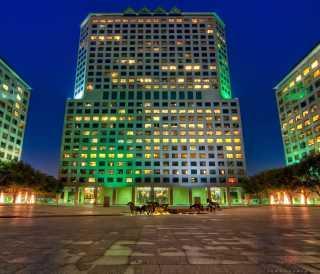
point(59, 216)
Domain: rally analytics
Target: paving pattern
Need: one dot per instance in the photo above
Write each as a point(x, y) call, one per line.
point(243, 240)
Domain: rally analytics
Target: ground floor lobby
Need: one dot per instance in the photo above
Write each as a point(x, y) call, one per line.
point(175, 196)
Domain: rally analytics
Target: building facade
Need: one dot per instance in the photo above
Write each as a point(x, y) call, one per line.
point(14, 102)
point(153, 116)
point(298, 98)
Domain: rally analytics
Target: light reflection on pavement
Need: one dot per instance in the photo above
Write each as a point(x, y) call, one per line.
point(242, 240)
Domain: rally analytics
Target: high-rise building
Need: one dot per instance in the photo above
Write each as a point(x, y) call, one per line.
point(153, 116)
point(298, 98)
point(14, 102)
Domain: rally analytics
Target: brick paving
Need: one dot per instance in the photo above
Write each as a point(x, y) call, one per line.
point(241, 240)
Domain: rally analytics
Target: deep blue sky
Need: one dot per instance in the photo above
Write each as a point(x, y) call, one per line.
point(39, 39)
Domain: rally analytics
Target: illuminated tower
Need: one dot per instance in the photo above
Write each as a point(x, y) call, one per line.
point(153, 117)
point(299, 107)
point(14, 102)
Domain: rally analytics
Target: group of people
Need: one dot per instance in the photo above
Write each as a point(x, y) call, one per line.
point(211, 206)
point(151, 207)
point(148, 209)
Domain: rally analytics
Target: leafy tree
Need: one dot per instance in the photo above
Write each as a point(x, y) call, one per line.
point(15, 176)
point(308, 170)
point(303, 177)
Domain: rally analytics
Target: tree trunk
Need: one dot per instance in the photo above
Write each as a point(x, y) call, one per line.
point(290, 197)
point(57, 199)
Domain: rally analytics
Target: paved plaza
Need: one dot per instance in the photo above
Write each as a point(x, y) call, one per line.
point(238, 240)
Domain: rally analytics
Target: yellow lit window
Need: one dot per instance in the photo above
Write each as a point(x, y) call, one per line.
point(92, 164)
point(91, 180)
point(314, 64)
point(298, 78)
point(306, 71)
point(104, 118)
point(235, 118)
point(89, 87)
point(310, 142)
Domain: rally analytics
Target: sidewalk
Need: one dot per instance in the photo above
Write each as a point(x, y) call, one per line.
point(34, 211)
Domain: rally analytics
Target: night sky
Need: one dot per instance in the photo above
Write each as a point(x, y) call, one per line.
point(39, 39)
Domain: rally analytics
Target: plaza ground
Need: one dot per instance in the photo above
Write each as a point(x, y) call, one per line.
point(237, 240)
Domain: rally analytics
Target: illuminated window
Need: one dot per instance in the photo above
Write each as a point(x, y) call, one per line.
point(314, 64)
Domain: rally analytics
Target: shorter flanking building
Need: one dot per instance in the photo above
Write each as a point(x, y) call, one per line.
point(14, 102)
point(298, 98)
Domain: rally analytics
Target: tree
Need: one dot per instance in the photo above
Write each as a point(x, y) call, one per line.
point(302, 178)
point(308, 170)
point(15, 176)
